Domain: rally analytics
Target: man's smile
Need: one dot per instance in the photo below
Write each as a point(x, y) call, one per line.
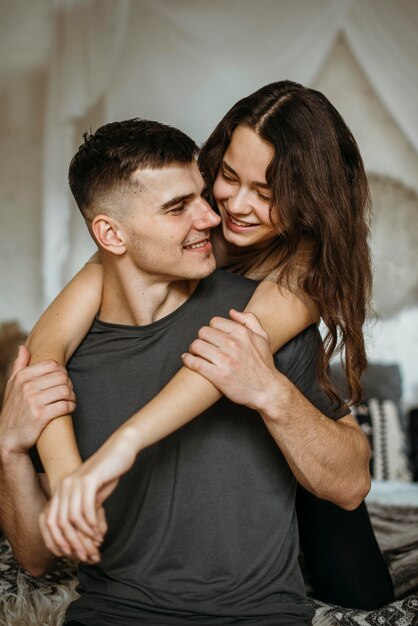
point(203, 245)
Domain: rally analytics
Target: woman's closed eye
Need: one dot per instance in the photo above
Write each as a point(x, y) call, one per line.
point(227, 177)
point(263, 197)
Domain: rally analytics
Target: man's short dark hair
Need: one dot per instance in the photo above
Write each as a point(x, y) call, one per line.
point(106, 160)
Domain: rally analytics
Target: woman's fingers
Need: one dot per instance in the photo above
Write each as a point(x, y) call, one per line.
point(72, 512)
point(65, 531)
point(86, 506)
point(52, 536)
point(102, 521)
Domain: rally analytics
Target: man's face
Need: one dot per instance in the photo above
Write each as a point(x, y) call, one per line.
point(169, 224)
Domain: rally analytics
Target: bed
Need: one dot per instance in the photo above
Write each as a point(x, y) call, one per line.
point(393, 506)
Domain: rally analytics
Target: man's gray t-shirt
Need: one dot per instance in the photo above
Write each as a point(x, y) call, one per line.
point(203, 528)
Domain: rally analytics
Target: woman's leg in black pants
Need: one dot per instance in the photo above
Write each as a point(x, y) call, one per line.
point(343, 560)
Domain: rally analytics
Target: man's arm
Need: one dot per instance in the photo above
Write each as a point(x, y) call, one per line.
point(329, 457)
point(21, 501)
point(34, 396)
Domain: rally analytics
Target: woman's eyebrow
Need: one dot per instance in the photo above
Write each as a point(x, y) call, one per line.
point(232, 171)
point(229, 168)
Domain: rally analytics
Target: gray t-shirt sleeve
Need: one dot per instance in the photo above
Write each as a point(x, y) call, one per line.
point(297, 360)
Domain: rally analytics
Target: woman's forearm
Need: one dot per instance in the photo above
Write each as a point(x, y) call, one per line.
point(184, 397)
point(56, 336)
point(56, 445)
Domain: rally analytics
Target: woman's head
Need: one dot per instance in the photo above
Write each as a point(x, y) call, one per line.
point(316, 193)
point(241, 191)
point(314, 160)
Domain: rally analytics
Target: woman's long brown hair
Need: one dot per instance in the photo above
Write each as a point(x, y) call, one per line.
point(320, 202)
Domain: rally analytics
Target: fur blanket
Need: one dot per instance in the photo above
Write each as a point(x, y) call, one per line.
point(25, 601)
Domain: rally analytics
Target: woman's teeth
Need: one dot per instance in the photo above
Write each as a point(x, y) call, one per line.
point(239, 223)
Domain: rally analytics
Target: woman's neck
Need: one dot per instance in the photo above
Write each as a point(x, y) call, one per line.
point(230, 250)
point(252, 261)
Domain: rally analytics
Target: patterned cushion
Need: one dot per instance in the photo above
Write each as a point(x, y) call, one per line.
point(381, 423)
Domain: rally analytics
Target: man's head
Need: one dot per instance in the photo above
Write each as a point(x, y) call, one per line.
point(139, 189)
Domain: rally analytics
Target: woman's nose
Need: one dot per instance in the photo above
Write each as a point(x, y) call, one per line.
point(238, 203)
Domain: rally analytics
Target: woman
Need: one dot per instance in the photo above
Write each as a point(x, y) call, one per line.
point(290, 186)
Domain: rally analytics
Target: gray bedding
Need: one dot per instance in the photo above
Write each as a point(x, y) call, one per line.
point(25, 601)
point(396, 530)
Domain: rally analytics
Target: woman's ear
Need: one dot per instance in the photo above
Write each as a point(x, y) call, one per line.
point(109, 234)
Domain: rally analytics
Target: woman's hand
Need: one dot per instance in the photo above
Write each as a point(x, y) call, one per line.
point(73, 523)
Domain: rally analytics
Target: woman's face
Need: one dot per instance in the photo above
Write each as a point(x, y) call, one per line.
point(241, 191)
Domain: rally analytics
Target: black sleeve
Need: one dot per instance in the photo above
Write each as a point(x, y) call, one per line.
point(297, 360)
point(36, 460)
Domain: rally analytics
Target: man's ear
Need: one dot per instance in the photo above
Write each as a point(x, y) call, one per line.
point(109, 234)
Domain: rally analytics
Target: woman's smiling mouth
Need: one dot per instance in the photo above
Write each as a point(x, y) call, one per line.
point(238, 225)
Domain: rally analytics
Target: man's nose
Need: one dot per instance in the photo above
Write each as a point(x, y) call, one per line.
point(206, 217)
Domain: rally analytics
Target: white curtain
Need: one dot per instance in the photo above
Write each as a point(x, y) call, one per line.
point(87, 41)
point(185, 62)
point(193, 59)
point(383, 37)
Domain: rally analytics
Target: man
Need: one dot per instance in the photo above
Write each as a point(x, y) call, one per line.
point(203, 528)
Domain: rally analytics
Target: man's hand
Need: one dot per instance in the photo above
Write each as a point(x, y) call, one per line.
point(328, 457)
point(35, 394)
point(234, 354)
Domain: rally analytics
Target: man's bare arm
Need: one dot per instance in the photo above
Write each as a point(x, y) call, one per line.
point(329, 457)
point(35, 395)
point(21, 501)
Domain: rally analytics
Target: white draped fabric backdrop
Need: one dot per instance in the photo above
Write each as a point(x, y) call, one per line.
point(185, 62)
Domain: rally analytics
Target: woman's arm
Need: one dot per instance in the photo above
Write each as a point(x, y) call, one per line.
point(283, 316)
point(56, 336)
point(188, 394)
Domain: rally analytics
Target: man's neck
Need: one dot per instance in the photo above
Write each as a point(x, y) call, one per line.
point(137, 299)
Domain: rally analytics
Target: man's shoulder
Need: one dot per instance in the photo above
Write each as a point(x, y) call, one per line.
point(220, 292)
point(223, 279)
point(298, 361)
point(294, 354)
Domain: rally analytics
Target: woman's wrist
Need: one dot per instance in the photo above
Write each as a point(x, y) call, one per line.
point(131, 439)
point(55, 479)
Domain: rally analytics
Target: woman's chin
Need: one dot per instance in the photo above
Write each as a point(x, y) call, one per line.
point(245, 240)
point(235, 239)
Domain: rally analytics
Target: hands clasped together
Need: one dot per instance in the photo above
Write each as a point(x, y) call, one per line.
point(234, 354)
